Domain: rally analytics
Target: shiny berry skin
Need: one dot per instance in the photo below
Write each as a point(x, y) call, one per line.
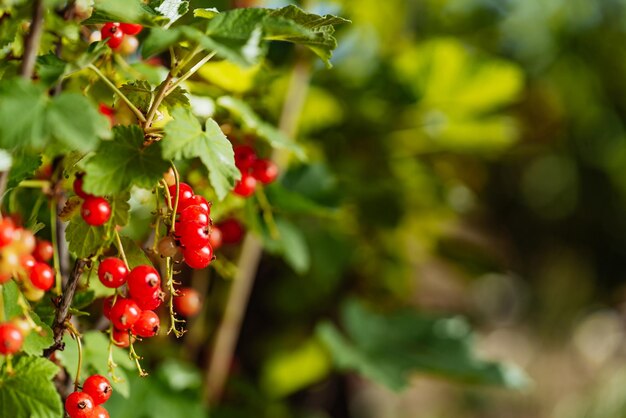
point(107, 304)
point(215, 237)
point(95, 211)
point(100, 412)
point(79, 405)
point(196, 200)
point(167, 247)
point(124, 314)
point(98, 387)
point(43, 250)
point(112, 272)
point(11, 338)
point(194, 214)
point(42, 276)
point(131, 28)
point(198, 258)
point(187, 302)
point(121, 338)
point(112, 31)
point(78, 188)
point(244, 157)
point(150, 302)
point(7, 232)
point(27, 262)
point(232, 231)
point(148, 325)
point(186, 192)
point(5, 278)
point(192, 235)
point(265, 171)
point(143, 282)
point(245, 187)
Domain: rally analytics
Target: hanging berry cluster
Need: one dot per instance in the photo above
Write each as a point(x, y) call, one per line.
point(115, 32)
point(88, 403)
point(95, 210)
point(253, 170)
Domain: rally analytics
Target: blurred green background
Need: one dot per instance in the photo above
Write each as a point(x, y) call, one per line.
point(468, 157)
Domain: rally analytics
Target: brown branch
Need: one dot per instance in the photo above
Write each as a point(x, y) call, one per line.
point(58, 326)
point(33, 39)
point(230, 327)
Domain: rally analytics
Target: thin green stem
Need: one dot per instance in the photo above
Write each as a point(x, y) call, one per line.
point(175, 208)
point(2, 313)
point(186, 60)
point(158, 100)
point(191, 72)
point(134, 356)
point(79, 343)
point(121, 248)
point(26, 309)
point(117, 91)
point(157, 225)
point(268, 215)
point(55, 249)
point(35, 184)
point(169, 267)
point(9, 362)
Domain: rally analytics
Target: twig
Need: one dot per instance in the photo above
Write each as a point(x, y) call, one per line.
point(191, 72)
point(157, 101)
point(62, 312)
point(230, 327)
point(33, 39)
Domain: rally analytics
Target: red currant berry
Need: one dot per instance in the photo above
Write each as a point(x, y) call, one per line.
point(106, 110)
point(112, 31)
point(42, 276)
point(131, 28)
point(265, 171)
point(43, 250)
point(244, 157)
point(79, 405)
point(167, 247)
point(197, 200)
point(100, 412)
point(245, 187)
point(215, 237)
point(11, 338)
point(232, 231)
point(187, 302)
point(98, 387)
point(143, 282)
point(124, 314)
point(96, 210)
point(186, 192)
point(148, 325)
point(121, 338)
point(193, 235)
point(78, 187)
point(150, 302)
point(27, 262)
point(7, 232)
point(198, 258)
point(4, 278)
point(107, 304)
point(194, 214)
point(112, 272)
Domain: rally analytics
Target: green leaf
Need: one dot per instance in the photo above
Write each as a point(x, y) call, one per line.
point(131, 11)
point(29, 392)
point(50, 68)
point(178, 97)
point(124, 162)
point(184, 138)
point(172, 9)
point(24, 166)
point(389, 348)
point(207, 13)
point(83, 299)
point(139, 93)
point(290, 243)
point(251, 121)
point(286, 200)
point(134, 254)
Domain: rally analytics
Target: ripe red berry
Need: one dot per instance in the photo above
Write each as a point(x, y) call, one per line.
point(121, 338)
point(107, 304)
point(98, 387)
point(244, 157)
point(79, 405)
point(143, 282)
point(194, 214)
point(192, 235)
point(27, 262)
point(245, 187)
point(78, 187)
point(7, 232)
point(43, 250)
point(4, 278)
point(197, 200)
point(232, 231)
point(198, 258)
point(107, 111)
point(150, 302)
point(131, 28)
point(42, 276)
point(95, 210)
point(215, 237)
point(187, 302)
point(124, 314)
point(11, 338)
point(148, 325)
point(112, 272)
point(112, 31)
point(100, 412)
point(265, 171)
point(186, 192)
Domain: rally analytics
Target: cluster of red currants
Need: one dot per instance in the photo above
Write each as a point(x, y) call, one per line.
point(192, 228)
point(25, 259)
point(88, 403)
point(133, 315)
point(253, 169)
point(115, 32)
point(95, 210)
